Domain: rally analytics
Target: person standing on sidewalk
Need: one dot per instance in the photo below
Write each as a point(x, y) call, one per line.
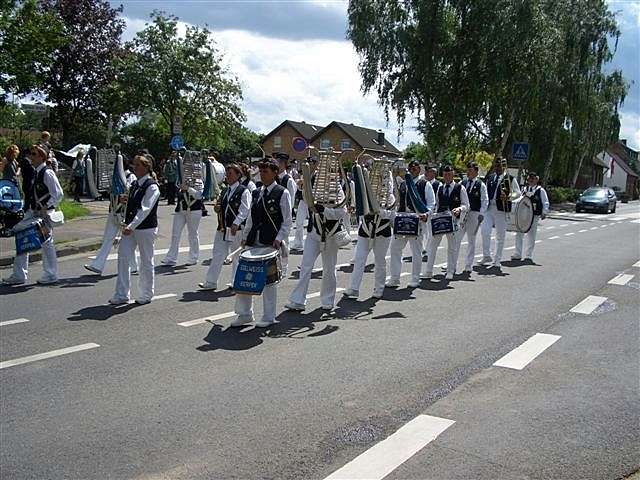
point(141, 230)
point(45, 195)
point(78, 168)
point(171, 176)
point(11, 170)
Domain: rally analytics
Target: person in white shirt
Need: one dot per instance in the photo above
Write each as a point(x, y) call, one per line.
point(188, 212)
point(398, 243)
point(450, 197)
point(284, 177)
point(233, 211)
point(540, 202)
point(43, 197)
point(246, 177)
point(141, 230)
point(496, 214)
point(268, 224)
point(430, 176)
point(478, 203)
point(324, 224)
point(113, 225)
point(374, 233)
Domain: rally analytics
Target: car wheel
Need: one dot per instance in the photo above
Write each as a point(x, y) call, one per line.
point(578, 210)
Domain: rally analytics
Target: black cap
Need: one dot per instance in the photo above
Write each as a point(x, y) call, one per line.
point(448, 168)
point(413, 163)
point(532, 174)
point(281, 156)
point(269, 163)
point(473, 165)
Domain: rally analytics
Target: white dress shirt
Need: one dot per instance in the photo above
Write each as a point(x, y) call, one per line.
point(291, 186)
point(429, 195)
point(528, 190)
point(484, 195)
point(464, 198)
point(285, 208)
point(151, 196)
point(53, 185)
point(245, 203)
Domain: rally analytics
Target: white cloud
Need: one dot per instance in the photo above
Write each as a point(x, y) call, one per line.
point(630, 129)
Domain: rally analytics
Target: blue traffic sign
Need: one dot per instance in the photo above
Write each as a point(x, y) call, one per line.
point(177, 142)
point(299, 144)
point(520, 152)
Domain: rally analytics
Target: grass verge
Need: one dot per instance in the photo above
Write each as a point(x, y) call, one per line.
point(73, 210)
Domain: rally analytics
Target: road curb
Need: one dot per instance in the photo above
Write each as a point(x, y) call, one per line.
point(62, 250)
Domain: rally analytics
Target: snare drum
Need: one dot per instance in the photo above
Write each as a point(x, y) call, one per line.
point(442, 223)
point(257, 268)
point(30, 235)
point(520, 218)
point(406, 225)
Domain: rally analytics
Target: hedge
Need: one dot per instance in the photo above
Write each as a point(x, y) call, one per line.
point(563, 194)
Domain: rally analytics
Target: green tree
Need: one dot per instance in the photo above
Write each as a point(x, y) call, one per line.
point(175, 75)
point(29, 38)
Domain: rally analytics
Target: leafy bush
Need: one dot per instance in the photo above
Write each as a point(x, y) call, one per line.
point(563, 194)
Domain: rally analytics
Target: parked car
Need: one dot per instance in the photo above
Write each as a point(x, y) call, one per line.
point(597, 199)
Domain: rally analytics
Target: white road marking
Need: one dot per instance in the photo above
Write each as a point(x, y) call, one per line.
point(317, 294)
point(13, 322)
point(538, 241)
point(221, 316)
point(384, 457)
point(564, 225)
point(588, 305)
point(635, 221)
point(554, 237)
point(569, 234)
point(550, 228)
point(612, 224)
point(621, 279)
point(161, 251)
point(637, 264)
point(513, 247)
point(43, 356)
point(582, 231)
point(521, 356)
point(163, 296)
point(604, 226)
point(593, 228)
point(210, 318)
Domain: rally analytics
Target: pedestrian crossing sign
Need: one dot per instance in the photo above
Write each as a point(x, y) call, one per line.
point(520, 152)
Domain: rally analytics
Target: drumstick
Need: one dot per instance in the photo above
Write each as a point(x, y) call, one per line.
point(232, 254)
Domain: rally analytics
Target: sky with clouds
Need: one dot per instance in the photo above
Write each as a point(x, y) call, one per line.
point(293, 61)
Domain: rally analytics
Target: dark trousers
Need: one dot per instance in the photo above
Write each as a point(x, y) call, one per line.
point(171, 193)
point(78, 190)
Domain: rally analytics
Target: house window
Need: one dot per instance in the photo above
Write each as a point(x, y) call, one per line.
point(345, 144)
point(277, 142)
point(325, 143)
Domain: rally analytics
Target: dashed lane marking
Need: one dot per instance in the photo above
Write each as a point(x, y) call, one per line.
point(637, 264)
point(165, 295)
point(317, 294)
point(582, 231)
point(160, 251)
point(554, 237)
point(563, 225)
point(588, 305)
point(635, 221)
point(43, 356)
point(521, 356)
point(569, 234)
point(384, 457)
point(621, 279)
point(13, 322)
point(593, 228)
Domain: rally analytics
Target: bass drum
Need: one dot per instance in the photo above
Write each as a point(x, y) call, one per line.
point(521, 217)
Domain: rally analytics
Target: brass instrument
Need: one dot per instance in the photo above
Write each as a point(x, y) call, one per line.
point(380, 185)
point(505, 187)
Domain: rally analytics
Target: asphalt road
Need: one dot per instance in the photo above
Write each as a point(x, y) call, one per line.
point(403, 387)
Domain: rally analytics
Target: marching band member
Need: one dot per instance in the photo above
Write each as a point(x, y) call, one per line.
point(188, 212)
point(451, 196)
point(268, 224)
point(496, 214)
point(374, 233)
point(112, 227)
point(479, 202)
point(140, 230)
point(540, 202)
point(232, 213)
point(284, 178)
point(246, 177)
point(44, 195)
point(398, 243)
point(324, 224)
point(302, 213)
point(430, 176)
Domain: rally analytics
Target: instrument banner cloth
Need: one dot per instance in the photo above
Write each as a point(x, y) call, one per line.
point(406, 225)
point(442, 223)
point(257, 268)
point(30, 235)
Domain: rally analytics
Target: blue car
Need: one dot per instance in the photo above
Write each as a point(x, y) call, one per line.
point(597, 199)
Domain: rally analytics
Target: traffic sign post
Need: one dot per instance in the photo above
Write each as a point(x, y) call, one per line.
point(177, 142)
point(520, 152)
